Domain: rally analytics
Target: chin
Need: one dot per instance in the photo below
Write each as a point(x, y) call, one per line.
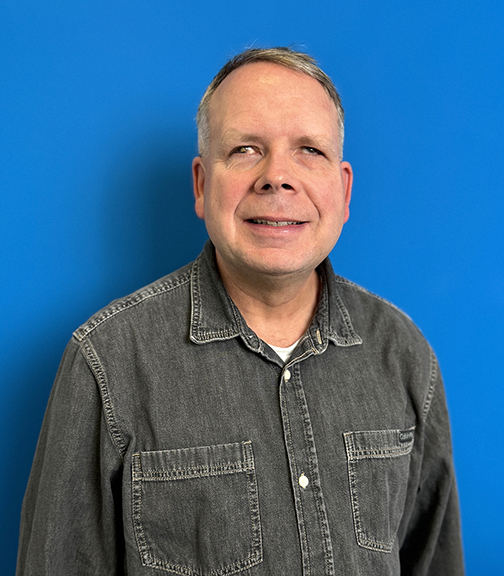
point(281, 267)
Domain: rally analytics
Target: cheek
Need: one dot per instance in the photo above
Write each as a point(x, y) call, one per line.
point(226, 194)
point(330, 203)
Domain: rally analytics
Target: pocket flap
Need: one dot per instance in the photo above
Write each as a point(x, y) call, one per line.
point(379, 443)
point(195, 462)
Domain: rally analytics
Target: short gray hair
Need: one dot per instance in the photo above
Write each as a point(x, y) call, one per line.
point(298, 61)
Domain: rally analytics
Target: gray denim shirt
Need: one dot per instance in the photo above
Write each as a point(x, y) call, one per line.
point(176, 441)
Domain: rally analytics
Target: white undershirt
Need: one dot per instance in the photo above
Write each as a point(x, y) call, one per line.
point(285, 353)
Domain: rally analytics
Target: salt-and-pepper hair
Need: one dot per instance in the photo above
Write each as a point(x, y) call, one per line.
point(298, 61)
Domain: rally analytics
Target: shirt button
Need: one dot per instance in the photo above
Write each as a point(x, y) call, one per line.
point(303, 481)
point(287, 375)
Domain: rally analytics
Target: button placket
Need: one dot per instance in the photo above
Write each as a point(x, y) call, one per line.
point(316, 547)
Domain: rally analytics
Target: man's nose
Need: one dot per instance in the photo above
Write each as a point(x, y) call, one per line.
point(277, 175)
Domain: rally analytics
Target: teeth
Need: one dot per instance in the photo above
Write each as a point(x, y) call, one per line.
point(271, 223)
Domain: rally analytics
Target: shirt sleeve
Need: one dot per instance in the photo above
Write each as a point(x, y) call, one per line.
point(432, 541)
point(71, 517)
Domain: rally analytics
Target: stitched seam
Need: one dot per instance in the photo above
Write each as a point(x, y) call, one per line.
point(185, 473)
point(97, 368)
point(136, 494)
point(353, 489)
point(298, 359)
point(384, 453)
point(432, 385)
point(128, 303)
point(362, 540)
point(253, 497)
point(255, 555)
point(352, 337)
point(196, 313)
point(299, 508)
point(350, 284)
point(321, 512)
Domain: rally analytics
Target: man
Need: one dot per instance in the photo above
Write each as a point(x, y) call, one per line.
point(251, 413)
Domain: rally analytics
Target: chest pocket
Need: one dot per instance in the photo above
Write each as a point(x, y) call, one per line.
point(378, 470)
point(195, 510)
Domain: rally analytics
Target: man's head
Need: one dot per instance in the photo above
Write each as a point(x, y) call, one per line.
point(283, 57)
point(270, 184)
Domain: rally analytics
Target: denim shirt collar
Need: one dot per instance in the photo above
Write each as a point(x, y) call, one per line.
point(214, 316)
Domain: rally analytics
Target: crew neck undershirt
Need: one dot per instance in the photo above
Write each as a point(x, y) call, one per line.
point(284, 353)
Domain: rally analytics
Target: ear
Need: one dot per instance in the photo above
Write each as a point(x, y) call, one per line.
point(198, 172)
point(347, 180)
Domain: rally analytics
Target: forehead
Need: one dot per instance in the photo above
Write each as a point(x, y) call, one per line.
point(264, 89)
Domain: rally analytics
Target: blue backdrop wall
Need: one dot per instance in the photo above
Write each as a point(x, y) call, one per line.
point(97, 133)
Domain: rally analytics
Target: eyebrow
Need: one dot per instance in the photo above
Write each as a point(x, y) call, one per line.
point(317, 141)
point(235, 135)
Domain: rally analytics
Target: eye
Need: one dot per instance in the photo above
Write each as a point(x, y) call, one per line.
point(312, 151)
point(243, 150)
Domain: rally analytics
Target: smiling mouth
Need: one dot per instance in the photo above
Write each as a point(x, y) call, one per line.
point(274, 223)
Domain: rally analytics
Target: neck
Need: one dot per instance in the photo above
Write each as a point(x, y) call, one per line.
point(278, 309)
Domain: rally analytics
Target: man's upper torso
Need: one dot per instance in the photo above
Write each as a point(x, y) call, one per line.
point(196, 451)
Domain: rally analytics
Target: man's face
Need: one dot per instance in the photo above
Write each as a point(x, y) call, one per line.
point(272, 190)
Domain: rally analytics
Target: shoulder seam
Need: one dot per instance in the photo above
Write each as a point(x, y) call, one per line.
point(350, 284)
point(432, 385)
point(136, 298)
point(94, 363)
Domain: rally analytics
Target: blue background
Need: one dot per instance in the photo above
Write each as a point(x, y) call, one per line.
point(97, 133)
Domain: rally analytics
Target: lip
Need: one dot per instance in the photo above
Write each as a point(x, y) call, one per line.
point(279, 228)
point(275, 221)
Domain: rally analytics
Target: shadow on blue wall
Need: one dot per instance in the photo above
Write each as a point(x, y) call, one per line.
point(150, 225)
